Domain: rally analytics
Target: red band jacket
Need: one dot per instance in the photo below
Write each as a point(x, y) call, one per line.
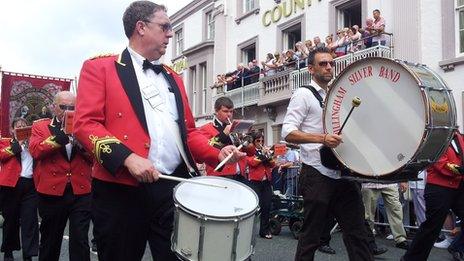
point(439, 174)
point(110, 119)
point(10, 164)
point(259, 169)
point(53, 170)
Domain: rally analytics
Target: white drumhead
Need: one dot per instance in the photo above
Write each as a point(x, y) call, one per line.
point(235, 200)
point(386, 130)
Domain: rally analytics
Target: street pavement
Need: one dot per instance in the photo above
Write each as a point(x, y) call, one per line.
point(282, 248)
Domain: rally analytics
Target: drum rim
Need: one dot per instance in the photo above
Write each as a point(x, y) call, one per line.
point(423, 95)
point(211, 217)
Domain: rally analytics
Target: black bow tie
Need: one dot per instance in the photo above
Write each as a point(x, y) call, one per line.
point(157, 68)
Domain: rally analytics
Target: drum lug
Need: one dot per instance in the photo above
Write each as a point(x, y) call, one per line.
point(429, 127)
point(234, 241)
point(176, 225)
point(201, 238)
point(186, 251)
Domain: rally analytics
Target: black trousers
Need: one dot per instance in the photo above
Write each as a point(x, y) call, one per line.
point(264, 191)
point(341, 198)
point(55, 212)
point(126, 217)
point(20, 210)
point(438, 201)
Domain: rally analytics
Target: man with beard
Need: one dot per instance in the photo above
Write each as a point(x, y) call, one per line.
point(324, 193)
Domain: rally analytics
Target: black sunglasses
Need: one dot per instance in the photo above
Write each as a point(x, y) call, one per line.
point(324, 63)
point(66, 107)
point(167, 27)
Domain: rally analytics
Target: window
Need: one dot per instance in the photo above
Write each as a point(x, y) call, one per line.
point(248, 6)
point(193, 96)
point(460, 22)
point(204, 83)
point(209, 25)
point(248, 54)
point(179, 38)
point(291, 36)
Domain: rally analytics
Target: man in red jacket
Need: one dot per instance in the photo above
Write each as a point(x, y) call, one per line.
point(19, 196)
point(62, 179)
point(133, 115)
point(218, 132)
point(444, 190)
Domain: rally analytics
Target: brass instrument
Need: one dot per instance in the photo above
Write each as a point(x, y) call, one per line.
point(264, 153)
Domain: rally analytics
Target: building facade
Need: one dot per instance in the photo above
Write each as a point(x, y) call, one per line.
point(212, 37)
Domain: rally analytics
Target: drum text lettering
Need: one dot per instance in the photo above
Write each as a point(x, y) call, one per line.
point(390, 74)
point(360, 74)
point(336, 109)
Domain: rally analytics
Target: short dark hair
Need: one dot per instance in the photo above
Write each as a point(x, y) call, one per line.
point(223, 101)
point(376, 10)
point(313, 53)
point(256, 135)
point(139, 11)
point(17, 119)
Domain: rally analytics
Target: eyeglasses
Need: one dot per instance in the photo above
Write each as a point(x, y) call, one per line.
point(166, 27)
point(324, 63)
point(66, 107)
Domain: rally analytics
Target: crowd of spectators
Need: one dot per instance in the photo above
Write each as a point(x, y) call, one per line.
point(348, 40)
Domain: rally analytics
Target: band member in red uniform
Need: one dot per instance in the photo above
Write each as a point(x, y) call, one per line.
point(133, 115)
point(218, 132)
point(19, 196)
point(260, 168)
point(444, 190)
point(62, 179)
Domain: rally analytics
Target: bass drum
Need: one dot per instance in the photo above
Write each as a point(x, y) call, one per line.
point(406, 118)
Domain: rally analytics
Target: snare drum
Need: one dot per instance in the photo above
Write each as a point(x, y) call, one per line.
point(405, 121)
point(213, 223)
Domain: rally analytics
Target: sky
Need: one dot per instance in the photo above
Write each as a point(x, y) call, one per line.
point(54, 37)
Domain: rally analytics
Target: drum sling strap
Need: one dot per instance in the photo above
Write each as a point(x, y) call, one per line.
point(316, 94)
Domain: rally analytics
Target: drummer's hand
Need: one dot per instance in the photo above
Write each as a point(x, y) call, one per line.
point(403, 187)
point(237, 154)
point(141, 169)
point(332, 140)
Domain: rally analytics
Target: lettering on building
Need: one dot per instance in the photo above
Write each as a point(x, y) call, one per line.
point(284, 9)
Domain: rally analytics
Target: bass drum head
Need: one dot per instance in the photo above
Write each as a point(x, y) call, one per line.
point(233, 201)
point(384, 133)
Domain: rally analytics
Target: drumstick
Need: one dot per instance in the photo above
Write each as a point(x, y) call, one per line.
point(161, 176)
point(354, 103)
point(224, 161)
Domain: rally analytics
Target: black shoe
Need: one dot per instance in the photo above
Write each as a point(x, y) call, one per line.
point(403, 245)
point(326, 249)
point(378, 250)
point(8, 256)
point(94, 246)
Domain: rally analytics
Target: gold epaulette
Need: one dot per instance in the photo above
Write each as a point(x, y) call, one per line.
point(102, 55)
point(169, 69)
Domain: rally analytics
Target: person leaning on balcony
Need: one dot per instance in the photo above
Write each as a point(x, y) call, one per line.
point(366, 32)
point(355, 37)
point(331, 45)
point(309, 45)
point(269, 66)
point(254, 72)
point(317, 42)
point(301, 53)
point(378, 28)
point(241, 75)
point(290, 59)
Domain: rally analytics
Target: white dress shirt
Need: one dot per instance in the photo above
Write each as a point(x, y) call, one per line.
point(304, 113)
point(26, 163)
point(163, 149)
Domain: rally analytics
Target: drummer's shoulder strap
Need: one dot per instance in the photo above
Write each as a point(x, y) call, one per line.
point(316, 94)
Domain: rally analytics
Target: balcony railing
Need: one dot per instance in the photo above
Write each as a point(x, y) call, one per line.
point(278, 88)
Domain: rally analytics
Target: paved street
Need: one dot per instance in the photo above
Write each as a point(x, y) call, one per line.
point(282, 248)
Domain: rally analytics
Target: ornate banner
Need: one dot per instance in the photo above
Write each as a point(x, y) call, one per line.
point(28, 96)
